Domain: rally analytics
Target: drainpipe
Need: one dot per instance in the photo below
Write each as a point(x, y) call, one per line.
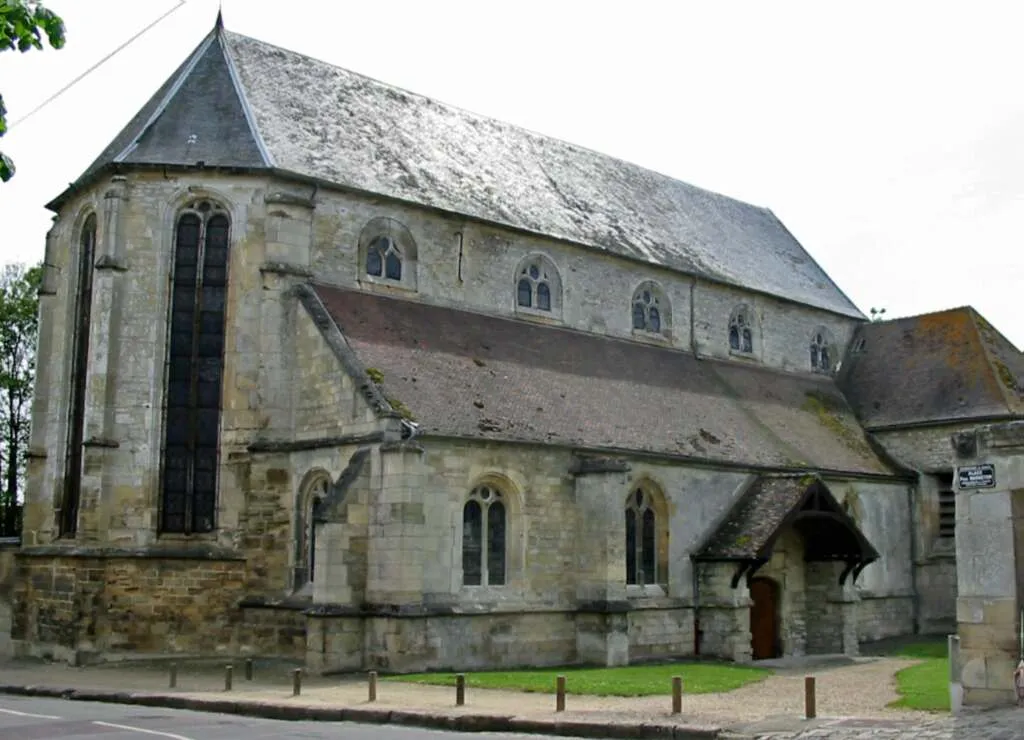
point(696, 608)
point(915, 600)
point(693, 320)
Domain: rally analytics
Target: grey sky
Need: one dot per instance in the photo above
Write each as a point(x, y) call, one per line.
point(887, 139)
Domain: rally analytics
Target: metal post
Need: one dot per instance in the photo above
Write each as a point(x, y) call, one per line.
point(228, 671)
point(460, 689)
point(296, 681)
point(373, 686)
point(560, 694)
point(810, 708)
point(174, 675)
point(677, 694)
point(248, 669)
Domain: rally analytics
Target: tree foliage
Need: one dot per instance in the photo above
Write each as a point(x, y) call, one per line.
point(19, 329)
point(23, 24)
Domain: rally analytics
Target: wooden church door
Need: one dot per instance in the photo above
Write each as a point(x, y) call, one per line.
point(764, 618)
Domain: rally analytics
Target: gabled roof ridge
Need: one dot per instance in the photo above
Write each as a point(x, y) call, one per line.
point(243, 99)
point(500, 122)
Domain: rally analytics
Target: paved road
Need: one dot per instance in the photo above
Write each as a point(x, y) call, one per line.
point(54, 719)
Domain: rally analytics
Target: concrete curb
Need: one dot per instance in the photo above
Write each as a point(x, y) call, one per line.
point(454, 722)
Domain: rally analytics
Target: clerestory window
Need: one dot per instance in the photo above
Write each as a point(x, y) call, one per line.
point(741, 334)
point(821, 352)
point(484, 524)
point(538, 288)
point(195, 370)
point(383, 259)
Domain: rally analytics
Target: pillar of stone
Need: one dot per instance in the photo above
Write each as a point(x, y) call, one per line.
point(724, 612)
point(100, 438)
point(990, 559)
point(831, 610)
point(397, 529)
point(38, 521)
point(602, 634)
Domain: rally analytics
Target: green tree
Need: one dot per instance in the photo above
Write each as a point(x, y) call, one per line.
point(23, 23)
point(19, 329)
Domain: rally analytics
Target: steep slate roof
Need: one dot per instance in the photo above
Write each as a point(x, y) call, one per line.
point(946, 366)
point(749, 530)
point(253, 105)
point(477, 376)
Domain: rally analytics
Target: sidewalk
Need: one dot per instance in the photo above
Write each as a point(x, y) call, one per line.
point(851, 698)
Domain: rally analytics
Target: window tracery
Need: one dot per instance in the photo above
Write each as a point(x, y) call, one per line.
point(68, 524)
point(533, 289)
point(383, 259)
point(741, 334)
point(821, 351)
point(484, 528)
point(647, 309)
point(641, 540)
point(195, 369)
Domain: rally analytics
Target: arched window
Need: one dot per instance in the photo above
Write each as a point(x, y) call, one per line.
point(309, 498)
point(387, 253)
point(484, 526)
point(650, 309)
point(641, 539)
point(821, 351)
point(383, 259)
point(79, 376)
point(195, 369)
point(538, 288)
point(741, 333)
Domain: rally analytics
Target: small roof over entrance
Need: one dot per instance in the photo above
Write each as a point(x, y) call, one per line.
point(748, 533)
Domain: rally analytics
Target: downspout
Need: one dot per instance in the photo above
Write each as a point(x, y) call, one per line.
point(693, 320)
point(696, 608)
point(915, 599)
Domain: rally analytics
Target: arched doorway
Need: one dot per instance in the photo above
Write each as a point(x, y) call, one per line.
point(764, 618)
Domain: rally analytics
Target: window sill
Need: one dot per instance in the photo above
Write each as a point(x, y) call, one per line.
point(376, 283)
point(741, 355)
point(651, 591)
point(659, 337)
point(543, 317)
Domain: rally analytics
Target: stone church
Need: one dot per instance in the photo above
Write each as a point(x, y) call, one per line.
point(332, 372)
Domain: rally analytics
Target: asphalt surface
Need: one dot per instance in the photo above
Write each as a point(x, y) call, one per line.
point(55, 719)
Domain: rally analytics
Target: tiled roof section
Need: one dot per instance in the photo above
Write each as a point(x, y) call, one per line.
point(471, 375)
point(197, 115)
point(319, 121)
point(946, 366)
point(754, 519)
point(771, 503)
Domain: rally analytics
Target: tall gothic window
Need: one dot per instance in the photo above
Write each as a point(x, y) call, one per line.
point(195, 370)
point(483, 538)
point(79, 376)
point(641, 540)
point(309, 499)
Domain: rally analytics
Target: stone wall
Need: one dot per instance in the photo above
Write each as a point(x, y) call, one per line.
point(990, 563)
point(76, 608)
point(8, 579)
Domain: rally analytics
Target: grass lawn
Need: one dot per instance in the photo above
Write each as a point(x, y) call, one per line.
point(924, 686)
point(643, 680)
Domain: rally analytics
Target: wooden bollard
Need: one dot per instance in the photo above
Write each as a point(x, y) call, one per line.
point(296, 681)
point(228, 672)
point(560, 694)
point(810, 708)
point(677, 694)
point(373, 686)
point(248, 669)
point(174, 675)
point(460, 689)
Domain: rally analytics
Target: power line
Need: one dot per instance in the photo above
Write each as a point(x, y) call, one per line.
point(94, 67)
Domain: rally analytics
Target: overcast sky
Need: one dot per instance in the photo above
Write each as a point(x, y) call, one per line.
point(888, 137)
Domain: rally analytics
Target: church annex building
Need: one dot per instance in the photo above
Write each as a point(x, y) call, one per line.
point(333, 372)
